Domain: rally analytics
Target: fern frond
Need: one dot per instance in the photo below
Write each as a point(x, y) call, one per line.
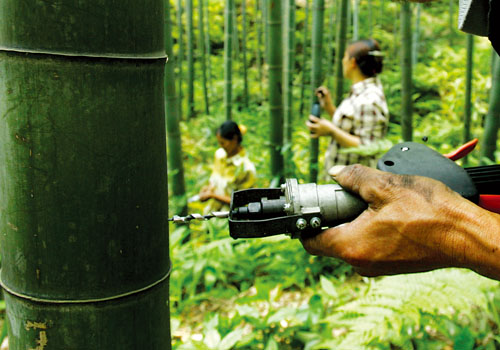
point(394, 306)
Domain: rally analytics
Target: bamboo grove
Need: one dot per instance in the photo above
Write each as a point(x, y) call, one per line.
point(295, 46)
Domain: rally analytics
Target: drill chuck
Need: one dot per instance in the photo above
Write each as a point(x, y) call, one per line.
point(294, 209)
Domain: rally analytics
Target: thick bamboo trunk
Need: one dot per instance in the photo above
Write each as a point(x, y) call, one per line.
point(83, 193)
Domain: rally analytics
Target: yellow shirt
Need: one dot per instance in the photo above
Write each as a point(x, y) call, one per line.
point(228, 175)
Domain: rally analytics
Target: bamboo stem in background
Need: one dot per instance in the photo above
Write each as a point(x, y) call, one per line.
point(492, 121)
point(304, 58)
point(180, 57)
point(190, 57)
point(316, 78)
point(228, 57)
point(174, 143)
point(339, 51)
point(289, 64)
point(468, 92)
point(244, 46)
point(275, 66)
point(406, 73)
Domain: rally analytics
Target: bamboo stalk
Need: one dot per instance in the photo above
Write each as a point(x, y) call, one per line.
point(275, 66)
point(316, 79)
point(406, 74)
point(228, 57)
point(289, 49)
point(492, 121)
point(202, 57)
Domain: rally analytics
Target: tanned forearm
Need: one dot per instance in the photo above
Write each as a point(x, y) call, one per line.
point(222, 198)
point(481, 235)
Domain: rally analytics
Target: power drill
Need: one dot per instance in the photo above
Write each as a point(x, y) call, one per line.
point(306, 209)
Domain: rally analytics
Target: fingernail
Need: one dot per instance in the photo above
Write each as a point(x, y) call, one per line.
point(335, 170)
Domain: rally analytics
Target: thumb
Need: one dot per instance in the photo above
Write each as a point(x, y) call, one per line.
point(356, 178)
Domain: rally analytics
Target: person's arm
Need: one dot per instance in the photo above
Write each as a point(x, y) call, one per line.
point(207, 193)
point(412, 224)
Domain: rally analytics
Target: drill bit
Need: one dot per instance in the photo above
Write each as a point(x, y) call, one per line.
point(182, 219)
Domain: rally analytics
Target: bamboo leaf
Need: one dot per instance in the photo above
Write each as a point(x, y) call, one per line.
point(328, 287)
point(231, 339)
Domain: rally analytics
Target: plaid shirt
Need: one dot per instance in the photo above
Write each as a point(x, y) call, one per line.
point(363, 113)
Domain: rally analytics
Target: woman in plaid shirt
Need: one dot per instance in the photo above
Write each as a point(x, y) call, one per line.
point(363, 116)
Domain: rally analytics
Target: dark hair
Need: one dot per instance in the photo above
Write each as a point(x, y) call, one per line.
point(229, 129)
point(368, 56)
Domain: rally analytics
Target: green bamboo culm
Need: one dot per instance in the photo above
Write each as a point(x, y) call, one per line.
point(492, 121)
point(416, 36)
point(208, 50)
point(236, 46)
point(266, 29)
point(83, 196)
point(355, 20)
point(190, 57)
point(289, 64)
point(468, 91)
point(201, 55)
point(275, 66)
point(339, 50)
point(330, 44)
point(180, 56)
point(244, 46)
point(406, 73)
point(316, 79)
point(174, 144)
point(305, 58)
point(258, 51)
point(228, 57)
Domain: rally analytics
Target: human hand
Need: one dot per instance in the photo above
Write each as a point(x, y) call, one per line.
point(412, 224)
point(324, 96)
point(318, 126)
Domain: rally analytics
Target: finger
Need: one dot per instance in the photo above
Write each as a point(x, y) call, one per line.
point(338, 241)
point(360, 179)
point(321, 89)
point(313, 118)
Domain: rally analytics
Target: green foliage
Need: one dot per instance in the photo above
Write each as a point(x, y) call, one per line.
point(410, 311)
point(269, 293)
